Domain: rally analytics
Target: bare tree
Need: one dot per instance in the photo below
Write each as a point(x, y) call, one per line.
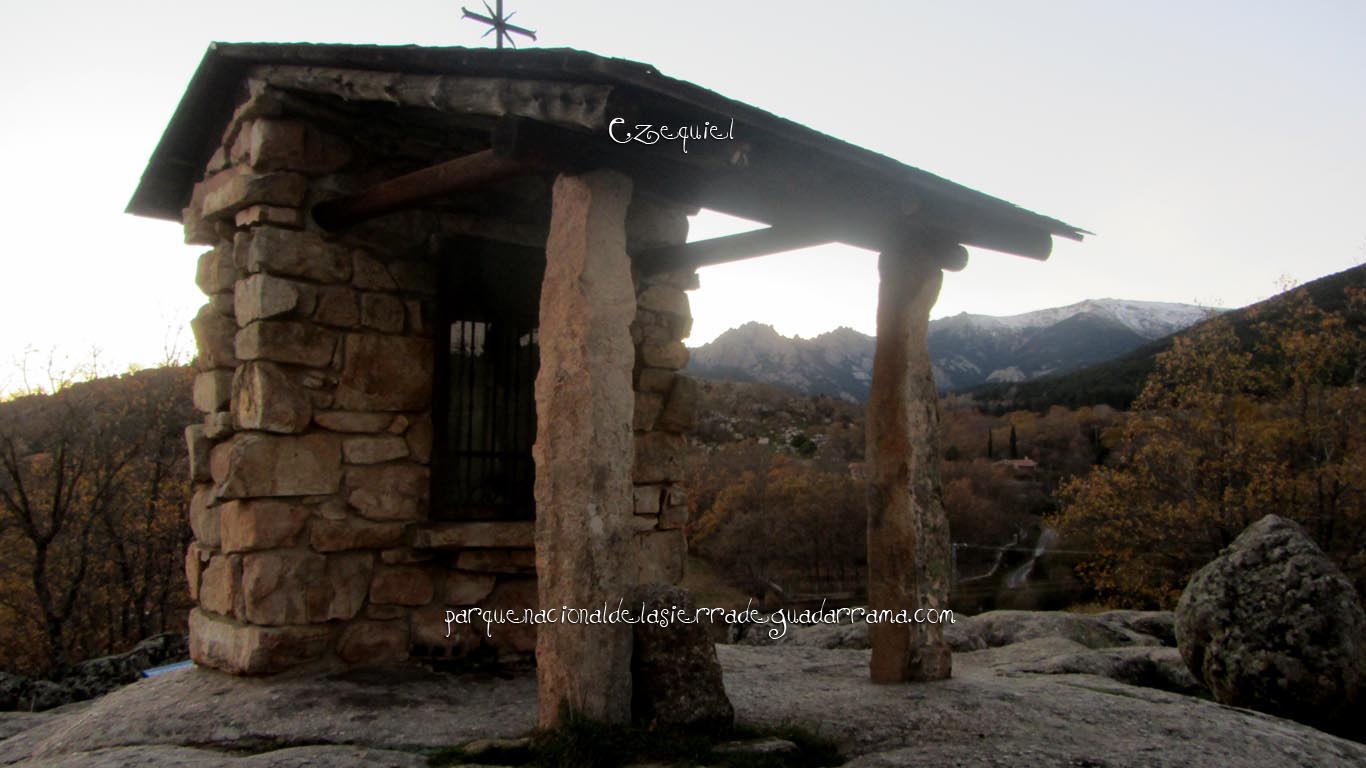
point(92, 532)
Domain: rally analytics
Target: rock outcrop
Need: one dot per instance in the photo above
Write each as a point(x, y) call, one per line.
point(998, 628)
point(89, 679)
point(1025, 704)
point(675, 677)
point(1133, 647)
point(1272, 624)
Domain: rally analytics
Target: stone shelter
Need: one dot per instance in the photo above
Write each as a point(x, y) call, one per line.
point(439, 362)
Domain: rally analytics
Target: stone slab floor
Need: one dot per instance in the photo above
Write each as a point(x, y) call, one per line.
point(988, 714)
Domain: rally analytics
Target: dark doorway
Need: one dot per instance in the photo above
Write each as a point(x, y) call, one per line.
point(487, 346)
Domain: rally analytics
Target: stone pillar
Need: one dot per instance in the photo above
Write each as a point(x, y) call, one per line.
point(584, 448)
point(908, 533)
point(310, 467)
point(666, 400)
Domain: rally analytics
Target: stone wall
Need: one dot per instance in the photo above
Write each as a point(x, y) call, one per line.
point(315, 377)
point(665, 409)
point(312, 537)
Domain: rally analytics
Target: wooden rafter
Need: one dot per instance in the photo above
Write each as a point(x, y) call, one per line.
point(460, 174)
point(720, 250)
point(802, 209)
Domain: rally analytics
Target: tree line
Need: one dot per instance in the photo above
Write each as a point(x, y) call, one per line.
point(1241, 417)
point(1235, 422)
point(94, 485)
point(1227, 430)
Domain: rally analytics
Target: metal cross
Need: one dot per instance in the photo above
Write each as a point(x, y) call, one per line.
point(498, 23)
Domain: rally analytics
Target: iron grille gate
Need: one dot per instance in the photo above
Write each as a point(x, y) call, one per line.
point(490, 422)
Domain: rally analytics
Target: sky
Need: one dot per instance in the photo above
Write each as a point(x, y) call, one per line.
point(1217, 149)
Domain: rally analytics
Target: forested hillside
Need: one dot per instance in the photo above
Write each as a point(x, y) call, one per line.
point(1118, 382)
point(1257, 412)
point(93, 493)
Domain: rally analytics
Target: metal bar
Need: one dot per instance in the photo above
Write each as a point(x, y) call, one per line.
point(511, 391)
point(467, 350)
point(493, 353)
point(476, 395)
point(518, 428)
point(456, 416)
point(523, 413)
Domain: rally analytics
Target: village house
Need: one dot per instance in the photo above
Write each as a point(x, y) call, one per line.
point(1022, 468)
point(439, 362)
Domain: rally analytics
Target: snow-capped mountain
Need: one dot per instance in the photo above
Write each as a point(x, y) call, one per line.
point(966, 350)
point(1149, 319)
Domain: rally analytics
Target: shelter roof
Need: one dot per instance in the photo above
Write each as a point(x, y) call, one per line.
point(773, 169)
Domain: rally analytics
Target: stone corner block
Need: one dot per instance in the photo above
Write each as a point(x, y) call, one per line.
point(215, 273)
point(265, 398)
point(248, 525)
point(212, 390)
point(284, 341)
point(213, 337)
point(262, 296)
point(293, 254)
point(225, 193)
point(289, 587)
point(243, 649)
point(254, 464)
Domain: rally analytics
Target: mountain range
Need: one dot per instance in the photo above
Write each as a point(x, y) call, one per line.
point(1118, 381)
point(966, 350)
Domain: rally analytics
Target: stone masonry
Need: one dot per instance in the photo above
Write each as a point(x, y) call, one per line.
point(313, 539)
point(361, 470)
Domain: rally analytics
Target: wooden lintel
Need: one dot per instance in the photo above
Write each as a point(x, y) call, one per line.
point(720, 250)
point(462, 173)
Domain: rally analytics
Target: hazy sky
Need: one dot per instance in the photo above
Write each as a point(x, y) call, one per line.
point(1213, 147)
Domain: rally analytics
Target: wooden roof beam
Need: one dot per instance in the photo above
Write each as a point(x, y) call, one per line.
point(720, 250)
point(858, 214)
point(811, 195)
point(460, 174)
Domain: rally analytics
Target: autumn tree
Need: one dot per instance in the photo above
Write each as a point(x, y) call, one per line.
point(790, 524)
point(1225, 432)
point(93, 487)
